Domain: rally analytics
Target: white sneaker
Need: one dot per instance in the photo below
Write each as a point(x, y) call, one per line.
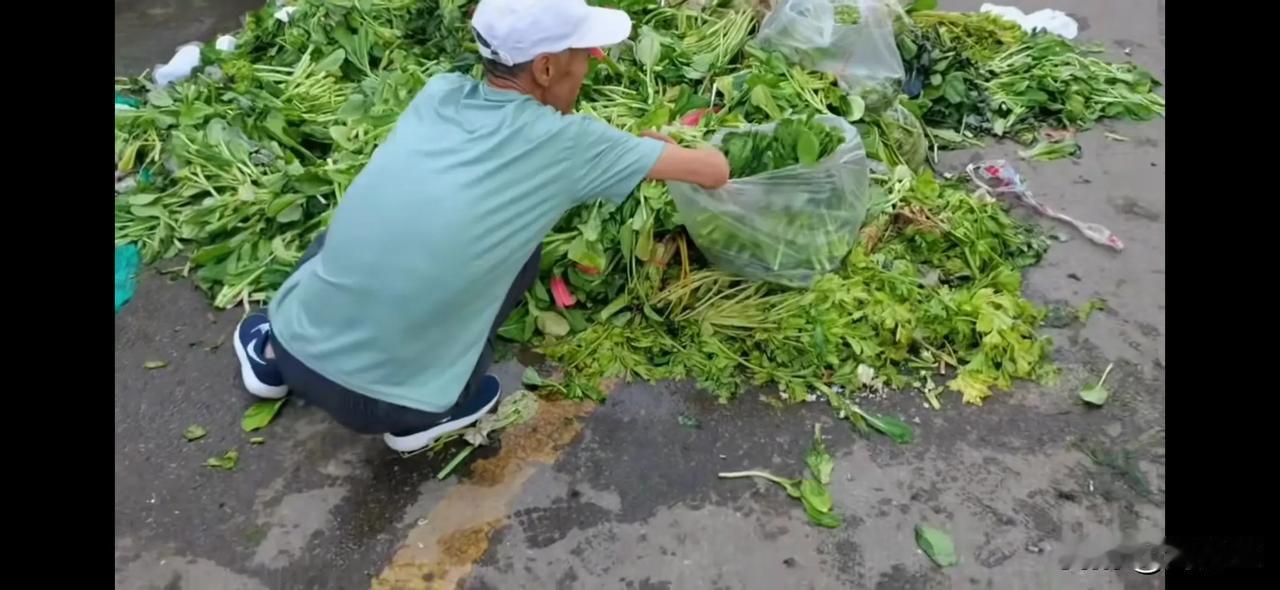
point(261, 375)
point(465, 413)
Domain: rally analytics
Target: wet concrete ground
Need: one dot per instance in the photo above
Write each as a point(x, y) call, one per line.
point(623, 495)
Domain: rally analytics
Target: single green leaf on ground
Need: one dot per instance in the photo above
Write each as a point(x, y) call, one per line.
point(1046, 151)
point(257, 440)
point(194, 432)
point(1097, 394)
point(891, 427)
point(226, 462)
point(153, 365)
point(260, 414)
point(936, 544)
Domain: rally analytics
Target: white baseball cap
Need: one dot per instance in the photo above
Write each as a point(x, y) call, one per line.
point(516, 31)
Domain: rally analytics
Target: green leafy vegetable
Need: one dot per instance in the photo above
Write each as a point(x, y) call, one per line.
point(937, 544)
point(194, 432)
point(260, 414)
point(241, 165)
point(1097, 394)
point(848, 14)
point(792, 142)
point(1027, 81)
point(811, 489)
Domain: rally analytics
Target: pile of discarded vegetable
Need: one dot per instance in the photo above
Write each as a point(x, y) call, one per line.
point(240, 165)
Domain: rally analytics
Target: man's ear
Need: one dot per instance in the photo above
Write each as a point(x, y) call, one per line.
point(543, 68)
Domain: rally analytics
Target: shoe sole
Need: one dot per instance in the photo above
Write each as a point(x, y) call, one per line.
point(415, 442)
point(251, 383)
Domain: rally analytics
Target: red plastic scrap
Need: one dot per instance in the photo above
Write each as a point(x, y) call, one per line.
point(561, 294)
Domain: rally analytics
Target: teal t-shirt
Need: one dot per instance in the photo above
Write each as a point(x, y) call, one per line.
point(429, 237)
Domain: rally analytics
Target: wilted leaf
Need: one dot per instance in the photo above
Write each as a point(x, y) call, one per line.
point(936, 544)
point(194, 432)
point(226, 462)
point(152, 365)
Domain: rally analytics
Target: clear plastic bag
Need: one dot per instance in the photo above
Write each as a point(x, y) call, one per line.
point(898, 137)
point(786, 226)
point(863, 57)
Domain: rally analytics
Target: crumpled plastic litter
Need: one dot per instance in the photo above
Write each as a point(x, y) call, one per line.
point(998, 177)
point(1048, 19)
point(127, 262)
point(179, 67)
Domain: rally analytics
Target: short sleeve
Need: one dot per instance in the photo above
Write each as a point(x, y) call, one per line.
point(606, 162)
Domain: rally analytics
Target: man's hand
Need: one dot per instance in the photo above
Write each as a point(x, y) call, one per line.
point(658, 136)
point(705, 167)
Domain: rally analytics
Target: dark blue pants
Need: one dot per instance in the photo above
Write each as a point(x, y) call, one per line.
point(367, 415)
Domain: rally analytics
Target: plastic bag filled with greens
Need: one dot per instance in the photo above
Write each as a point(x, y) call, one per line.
point(792, 210)
point(850, 39)
point(896, 136)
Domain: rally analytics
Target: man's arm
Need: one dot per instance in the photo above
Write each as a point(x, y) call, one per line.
point(705, 167)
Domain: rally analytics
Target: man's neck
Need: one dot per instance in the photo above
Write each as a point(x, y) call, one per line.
point(512, 85)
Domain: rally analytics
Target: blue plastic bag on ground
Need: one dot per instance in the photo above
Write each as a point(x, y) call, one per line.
point(127, 262)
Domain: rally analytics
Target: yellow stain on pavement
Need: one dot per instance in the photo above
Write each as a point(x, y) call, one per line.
point(440, 552)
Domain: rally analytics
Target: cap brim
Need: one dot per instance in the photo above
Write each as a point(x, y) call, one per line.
point(604, 27)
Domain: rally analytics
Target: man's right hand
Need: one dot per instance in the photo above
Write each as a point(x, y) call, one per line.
point(705, 167)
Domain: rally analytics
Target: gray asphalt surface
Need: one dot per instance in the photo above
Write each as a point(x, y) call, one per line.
point(623, 495)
